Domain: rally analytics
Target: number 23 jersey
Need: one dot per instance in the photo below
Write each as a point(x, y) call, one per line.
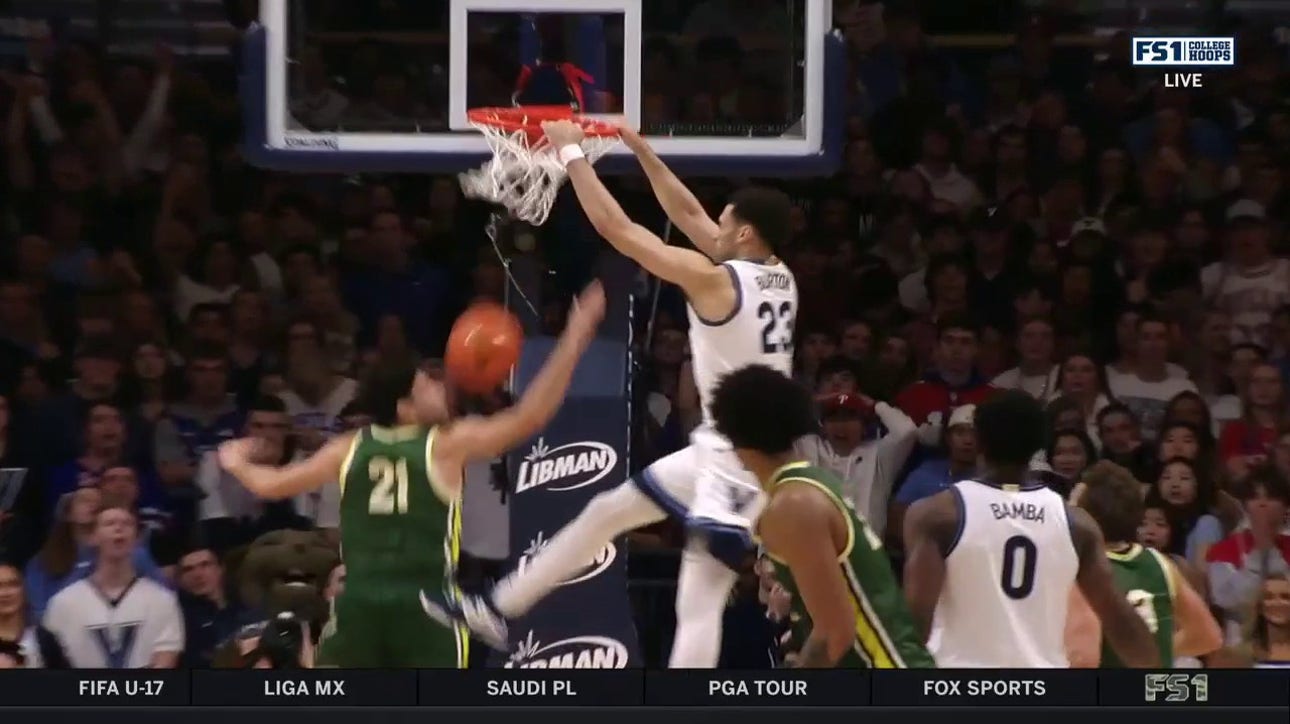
point(1008, 578)
point(758, 331)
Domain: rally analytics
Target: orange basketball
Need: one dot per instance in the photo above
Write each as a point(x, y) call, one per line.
point(483, 347)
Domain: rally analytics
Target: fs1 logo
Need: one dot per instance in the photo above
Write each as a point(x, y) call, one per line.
point(1177, 688)
point(1174, 51)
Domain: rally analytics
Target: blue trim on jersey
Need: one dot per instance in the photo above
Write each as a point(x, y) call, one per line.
point(962, 509)
point(650, 488)
point(730, 544)
point(739, 301)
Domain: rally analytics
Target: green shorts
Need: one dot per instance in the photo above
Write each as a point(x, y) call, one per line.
point(389, 632)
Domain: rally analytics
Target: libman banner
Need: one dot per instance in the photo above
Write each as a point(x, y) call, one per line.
point(586, 623)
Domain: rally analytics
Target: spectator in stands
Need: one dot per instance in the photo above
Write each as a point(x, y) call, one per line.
point(933, 476)
point(1269, 630)
point(1189, 497)
point(114, 619)
point(1149, 387)
point(229, 515)
point(104, 448)
point(205, 418)
point(1068, 454)
point(152, 385)
point(952, 383)
point(69, 552)
point(213, 277)
point(1082, 381)
point(1122, 442)
point(1250, 283)
point(60, 420)
point(1242, 361)
point(1238, 563)
point(38, 648)
point(1190, 407)
point(315, 394)
point(1246, 443)
point(1036, 371)
point(867, 458)
point(211, 616)
point(250, 351)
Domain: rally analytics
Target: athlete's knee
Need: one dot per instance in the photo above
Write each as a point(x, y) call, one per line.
point(621, 508)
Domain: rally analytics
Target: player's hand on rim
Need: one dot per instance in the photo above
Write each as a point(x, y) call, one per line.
point(563, 133)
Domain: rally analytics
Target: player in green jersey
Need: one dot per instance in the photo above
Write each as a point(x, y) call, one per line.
point(401, 481)
point(1174, 612)
point(826, 556)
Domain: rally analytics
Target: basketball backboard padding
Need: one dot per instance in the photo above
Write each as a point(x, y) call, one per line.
point(814, 150)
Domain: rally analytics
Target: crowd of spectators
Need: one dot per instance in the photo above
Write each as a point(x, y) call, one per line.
point(1056, 222)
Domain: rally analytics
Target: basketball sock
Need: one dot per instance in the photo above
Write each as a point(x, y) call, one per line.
point(606, 517)
point(703, 588)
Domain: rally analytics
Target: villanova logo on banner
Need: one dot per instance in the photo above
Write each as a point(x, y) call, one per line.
point(116, 642)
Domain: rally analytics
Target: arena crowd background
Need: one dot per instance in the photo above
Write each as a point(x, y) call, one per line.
point(1017, 207)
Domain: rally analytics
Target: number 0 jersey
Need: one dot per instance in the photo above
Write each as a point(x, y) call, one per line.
point(885, 635)
point(758, 331)
point(396, 529)
point(1008, 579)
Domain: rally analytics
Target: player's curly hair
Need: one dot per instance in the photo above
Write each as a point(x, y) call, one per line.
point(1010, 428)
point(757, 408)
point(768, 211)
point(1113, 498)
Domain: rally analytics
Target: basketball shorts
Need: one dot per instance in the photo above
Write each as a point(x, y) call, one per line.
point(705, 487)
point(388, 630)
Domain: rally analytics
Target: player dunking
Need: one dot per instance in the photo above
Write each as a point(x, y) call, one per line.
point(991, 562)
point(742, 305)
point(1175, 614)
point(850, 608)
point(401, 481)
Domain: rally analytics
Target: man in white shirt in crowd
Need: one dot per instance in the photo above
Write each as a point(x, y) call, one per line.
point(868, 466)
point(1251, 282)
point(1036, 370)
point(1149, 388)
point(116, 619)
point(315, 395)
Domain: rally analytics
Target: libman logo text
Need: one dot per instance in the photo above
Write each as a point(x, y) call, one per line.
point(567, 467)
point(603, 560)
point(579, 652)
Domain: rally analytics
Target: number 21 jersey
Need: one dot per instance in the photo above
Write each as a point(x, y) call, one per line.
point(758, 331)
point(1008, 578)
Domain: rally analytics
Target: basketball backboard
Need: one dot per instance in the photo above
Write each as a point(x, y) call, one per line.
point(751, 87)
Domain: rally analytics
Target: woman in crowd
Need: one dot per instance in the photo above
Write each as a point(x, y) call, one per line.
point(1187, 493)
point(1246, 442)
point(38, 648)
point(1068, 454)
point(1188, 406)
point(1083, 382)
point(1269, 634)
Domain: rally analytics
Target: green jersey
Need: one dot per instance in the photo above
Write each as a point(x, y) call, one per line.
point(885, 635)
point(1147, 580)
point(397, 528)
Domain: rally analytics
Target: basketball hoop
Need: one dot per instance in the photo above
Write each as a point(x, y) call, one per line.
point(525, 172)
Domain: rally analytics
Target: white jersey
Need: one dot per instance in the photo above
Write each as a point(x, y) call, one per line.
point(758, 331)
point(97, 633)
point(1008, 580)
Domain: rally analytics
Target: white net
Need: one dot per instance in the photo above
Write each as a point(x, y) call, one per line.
point(524, 178)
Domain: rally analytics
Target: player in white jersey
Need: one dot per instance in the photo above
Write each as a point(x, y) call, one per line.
point(991, 562)
point(742, 306)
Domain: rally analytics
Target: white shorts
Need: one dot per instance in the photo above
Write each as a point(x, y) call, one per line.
point(704, 483)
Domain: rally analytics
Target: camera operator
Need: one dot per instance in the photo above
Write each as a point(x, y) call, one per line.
point(283, 642)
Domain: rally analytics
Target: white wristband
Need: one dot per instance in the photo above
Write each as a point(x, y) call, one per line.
point(570, 153)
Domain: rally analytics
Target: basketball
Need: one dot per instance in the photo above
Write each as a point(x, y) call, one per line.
point(483, 347)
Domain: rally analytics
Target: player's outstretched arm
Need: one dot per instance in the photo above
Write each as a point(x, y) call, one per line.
point(686, 268)
point(930, 527)
point(486, 437)
point(1123, 628)
point(288, 481)
point(680, 204)
point(795, 528)
point(1196, 633)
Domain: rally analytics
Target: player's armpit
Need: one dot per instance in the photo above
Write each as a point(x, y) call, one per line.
point(1083, 633)
point(1123, 628)
point(299, 477)
point(1196, 633)
point(929, 529)
point(813, 559)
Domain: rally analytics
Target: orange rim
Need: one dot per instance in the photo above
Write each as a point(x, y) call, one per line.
point(530, 118)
